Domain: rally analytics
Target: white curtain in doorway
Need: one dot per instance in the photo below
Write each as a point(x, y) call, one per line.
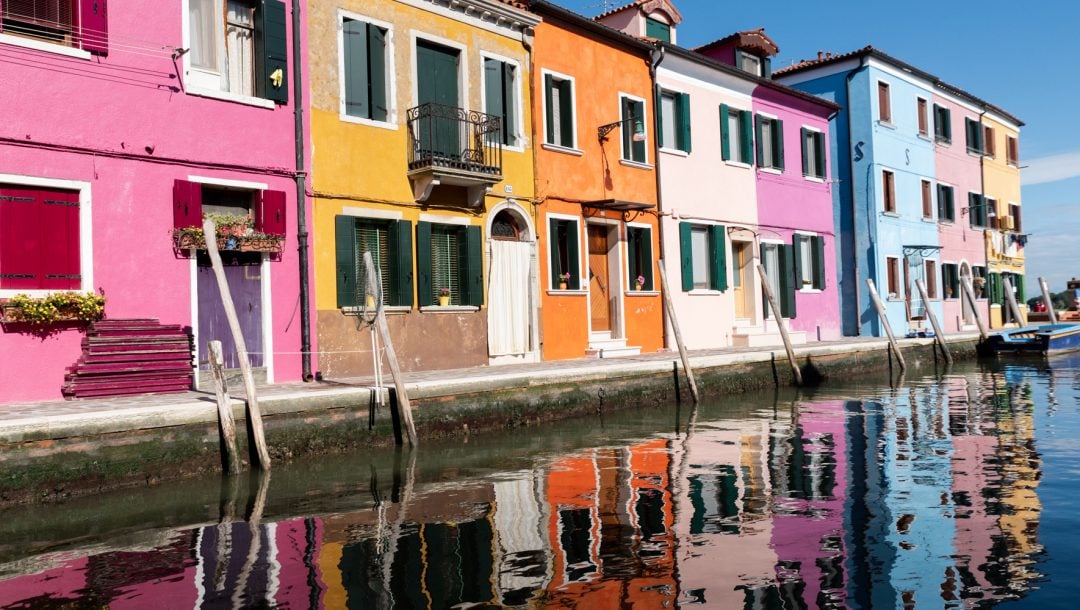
point(508, 298)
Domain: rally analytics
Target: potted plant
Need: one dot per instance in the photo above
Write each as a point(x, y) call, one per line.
point(54, 308)
point(564, 280)
point(444, 297)
point(639, 283)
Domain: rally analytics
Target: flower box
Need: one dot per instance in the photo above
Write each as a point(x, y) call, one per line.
point(185, 239)
point(56, 308)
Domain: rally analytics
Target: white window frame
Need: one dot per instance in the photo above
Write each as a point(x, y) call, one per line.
point(573, 112)
point(757, 61)
point(806, 265)
point(813, 152)
point(519, 114)
point(391, 121)
point(704, 228)
point(877, 102)
point(203, 83)
point(928, 117)
point(736, 151)
point(932, 217)
point(936, 294)
point(895, 211)
point(897, 296)
point(644, 125)
point(772, 165)
point(630, 281)
point(553, 281)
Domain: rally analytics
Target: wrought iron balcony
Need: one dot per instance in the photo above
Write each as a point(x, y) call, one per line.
point(450, 145)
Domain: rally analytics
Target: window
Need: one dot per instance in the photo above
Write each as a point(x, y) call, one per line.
point(239, 47)
point(988, 141)
point(704, 256)
point(813, 153)
point(449, 257)
point(639, 253)
point(71, 23)
point(942, 124)
point(364, 60)
point(892, 267)
point(564, 237)
point(675, 120)
point(884, 103)
point(778, 261)
point(500, 99)
point(754, 64)
point(888, 190)
point(770, 139)
point(559, 116)
point(931, 279)
point(736, 135)
point(633, 129)
point(977, 210)
point(654, 28)
point(809, 261)
point(946, 203)
point(927, 200)
point(974, 132)
point(1012, 151)
point(950, 280)
point(978, 281)
point(924, 120)
point(1014, 216)
point(39, 239)
point(390, 244)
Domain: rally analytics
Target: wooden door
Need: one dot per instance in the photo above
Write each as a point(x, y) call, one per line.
point(243, 275)
point(742, 280)
point(599, 281)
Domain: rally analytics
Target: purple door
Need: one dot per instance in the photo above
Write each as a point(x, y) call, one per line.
point(244, 275)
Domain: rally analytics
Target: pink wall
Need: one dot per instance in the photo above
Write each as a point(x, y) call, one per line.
point(139, 132)
point(788, 202)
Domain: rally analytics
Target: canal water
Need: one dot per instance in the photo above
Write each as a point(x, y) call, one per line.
point(954, 490)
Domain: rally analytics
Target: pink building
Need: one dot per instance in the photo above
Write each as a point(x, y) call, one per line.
point(122, 125)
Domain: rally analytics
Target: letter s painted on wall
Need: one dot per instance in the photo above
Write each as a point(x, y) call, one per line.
point(858, 151)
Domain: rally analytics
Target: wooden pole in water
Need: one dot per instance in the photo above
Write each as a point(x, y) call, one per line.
point(970, 301)
point(225, 415)
point(778, 316)
point(939, 337)
point(1011, 299)
point(880, 307)
point(391, 356)
point(678, 334)
point(1048, 300)
point(253, 413)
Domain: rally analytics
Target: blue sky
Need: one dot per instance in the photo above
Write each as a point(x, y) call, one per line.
point(1023, 57)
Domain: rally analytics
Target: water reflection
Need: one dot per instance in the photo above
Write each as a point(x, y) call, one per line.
point(925, 495)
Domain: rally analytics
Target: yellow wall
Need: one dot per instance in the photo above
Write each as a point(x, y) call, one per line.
point(1001, 182)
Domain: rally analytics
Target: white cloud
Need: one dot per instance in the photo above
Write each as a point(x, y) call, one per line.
point(1053, 168)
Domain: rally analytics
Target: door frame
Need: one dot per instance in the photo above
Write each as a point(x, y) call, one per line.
point(766, 310)
point(616, 283)
point(748, 281)
point(531, 237)
point(463, 65)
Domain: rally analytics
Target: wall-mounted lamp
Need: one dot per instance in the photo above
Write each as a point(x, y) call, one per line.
point(639, 129)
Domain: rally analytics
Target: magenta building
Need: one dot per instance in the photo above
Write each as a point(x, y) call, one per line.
point(121, 125)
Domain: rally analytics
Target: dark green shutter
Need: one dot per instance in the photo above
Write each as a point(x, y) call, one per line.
point(940, 202)
point(757, 138)
point(718, 244)
point(627, 129)
point(817, 248)
point(659, 127)
point(725, 133)
point(380, 106)
point(778, 133)
point(1019, 281)
point(787, 280)
point(566, 113)
point(797, 261)
point(473, 282)
point(345, 247)
point(573, 239)
point(553, 252)
point(273, 50)
point(423, 264)
point(658, 30)
point(746, 124)
point(766, 67)
point(948, 124)
point(493, 89)
point(686, 252)
point(646, 268)
point(683, 115)
point(822, 156)
point(549, 100)
point(972, 210)
point(401, 268)
point(996, 291)
point(356, 70)
point(738, 58)
point(806, 152)
point(509, 107)
point(633, 251)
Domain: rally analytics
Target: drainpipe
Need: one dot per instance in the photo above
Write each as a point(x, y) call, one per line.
point(982, 191)
point(854, 200)
point(534, 316)
point(301, 194)
point(656, 57)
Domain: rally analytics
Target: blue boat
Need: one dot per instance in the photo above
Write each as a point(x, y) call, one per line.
point(1044, 339)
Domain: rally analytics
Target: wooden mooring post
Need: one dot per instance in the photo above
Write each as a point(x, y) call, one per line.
point(939, 337)
point(883, 315)
point(226, 423)
point(1010, 298)
point(674, 320)
point(254, 415)
point(1048, 300)
point(401, 394)
point(969, 292)
point(779, 317)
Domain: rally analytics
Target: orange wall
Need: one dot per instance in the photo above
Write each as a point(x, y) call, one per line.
point(602, 71)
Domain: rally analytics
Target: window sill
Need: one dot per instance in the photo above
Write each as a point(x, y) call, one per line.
point(226, 96)
point(738, 164)
point(929, 219)
point(345, 118)
point(810, 291)
point(886, 124)
point(635, 164)
point(814, 179)
point(946, 222)
point(515, 148)
point(942, 142)
point(642, 293)
point(924, 136)
point(566, 293)
point(389, 310)
point(703, 292)
point(891, 214)
point(563, 149)
point(449, 309)
point(771, 170)
point(674, 151)
point(41, 45)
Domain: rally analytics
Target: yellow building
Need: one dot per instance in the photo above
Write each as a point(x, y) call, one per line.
point(1005, 237)
point(422, 155)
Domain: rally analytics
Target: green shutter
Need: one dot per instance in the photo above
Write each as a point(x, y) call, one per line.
point(995, 288)
point(787, 280)
point(659, 116)
point(626, 131)
point(682, 102)
point(401, 268)
point(738, 58)
point(509, 106)
point(725, 135)
point(423, 264)
point(806, 152)
point(566, 112)
point(766, 67)
point(948, 125)
point(778, 133)
point(549, 101)
point(473, 282)
point(273, 49)
point(686, 252)
point(797, 262)
point(822, 156)
point(493, 89)
point(972, 210)
point(940, 202)
point(573, 241)
point(646, 258)
point(746, 124)
point(658, 30)
point(817, 248)
point(718, 244)
point(1020, 298)
point(356, 69)
point(380, 106)
point(633, 252)
point(553, 253)
point(757, 138)
point(345, 246)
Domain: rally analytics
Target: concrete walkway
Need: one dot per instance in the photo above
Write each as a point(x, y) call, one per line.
point(25, 422)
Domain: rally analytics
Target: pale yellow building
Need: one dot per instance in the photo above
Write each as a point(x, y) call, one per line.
point(1005, 237)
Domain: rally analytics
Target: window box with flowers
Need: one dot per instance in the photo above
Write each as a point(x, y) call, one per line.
point(55, 308)
point(234, 232)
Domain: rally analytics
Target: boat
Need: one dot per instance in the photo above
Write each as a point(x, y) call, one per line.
point(1042, 339)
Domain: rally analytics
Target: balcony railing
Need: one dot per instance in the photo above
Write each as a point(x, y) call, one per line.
point(447, 137)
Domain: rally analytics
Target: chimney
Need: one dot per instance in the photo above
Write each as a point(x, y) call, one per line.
point(820, 55)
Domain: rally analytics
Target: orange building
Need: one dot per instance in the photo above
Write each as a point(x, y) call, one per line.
point(596, 184)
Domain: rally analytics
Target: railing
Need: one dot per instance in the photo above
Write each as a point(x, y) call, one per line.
point(454, 138)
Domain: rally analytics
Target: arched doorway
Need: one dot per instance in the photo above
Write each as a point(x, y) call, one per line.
point(966, 306)
point(510, 281)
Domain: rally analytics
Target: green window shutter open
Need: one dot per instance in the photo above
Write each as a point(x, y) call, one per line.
point(797, 262)
point(787, 280)
point(948, 125)
point(493, 89)
point(746, 124)
point(566, 111)
point(972, 210)
point(549, 101)
point(1020, 298)
point(806, 152)
point(766, 67)
point(273, 49)
point(659, 115)
point(940, 202)
point(553, 253)
point(757, 138)
point(345, 245)
point(401, 268)
point(686, 255)
point(633, 251)
point(573, 239)
point(778, 133)
point(682, 111)
point(423, 264)
point(817, 247)
point(718, 244)
point(822, 156)
point(646, 266)
point(380, 108)
point(725, 135)
point(473, 282)
point(356, 69)
point(509, 128)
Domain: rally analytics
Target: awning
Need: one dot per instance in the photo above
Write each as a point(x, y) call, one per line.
point(618, 205)
point(922, 251)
